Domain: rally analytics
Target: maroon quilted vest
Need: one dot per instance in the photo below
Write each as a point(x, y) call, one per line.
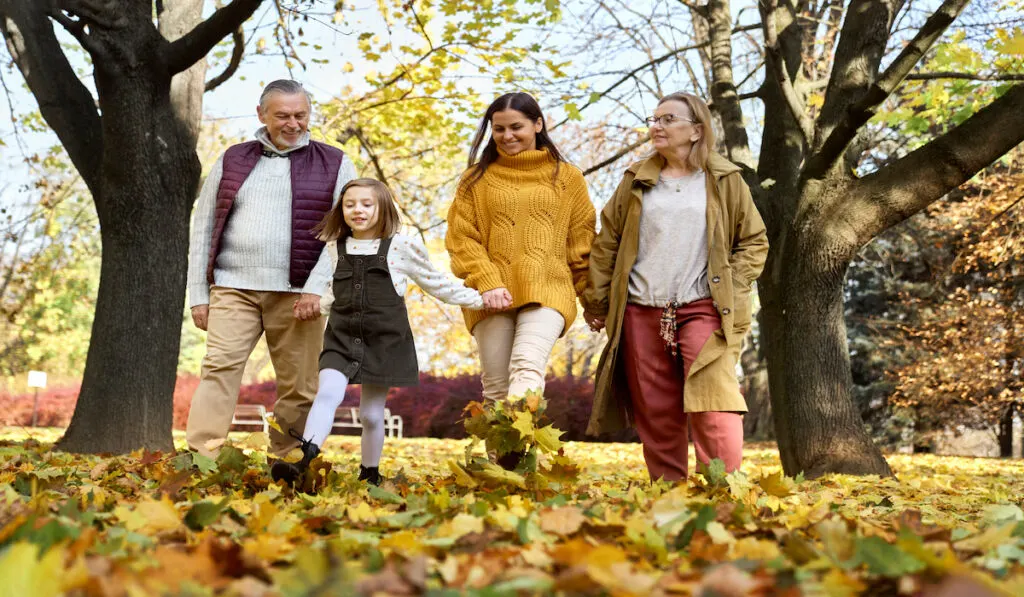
point(314, 176)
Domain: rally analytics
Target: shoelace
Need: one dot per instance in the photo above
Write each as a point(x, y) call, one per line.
point(305, 442)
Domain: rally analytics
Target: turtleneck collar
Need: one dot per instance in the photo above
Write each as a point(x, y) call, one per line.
point(525, 160)
point(264, 137)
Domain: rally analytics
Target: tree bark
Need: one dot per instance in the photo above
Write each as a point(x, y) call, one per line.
point(149, 183)
point(1005, 432)
point(137, 155)
point(817, 427)
point(757, 423)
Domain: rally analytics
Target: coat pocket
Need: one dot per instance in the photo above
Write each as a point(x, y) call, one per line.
point(742, 297)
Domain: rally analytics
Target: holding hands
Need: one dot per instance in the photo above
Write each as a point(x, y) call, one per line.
point(497, 299)
point(307, 307)
point(595, 322)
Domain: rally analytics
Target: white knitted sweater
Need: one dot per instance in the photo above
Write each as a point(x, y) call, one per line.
point(255, 250)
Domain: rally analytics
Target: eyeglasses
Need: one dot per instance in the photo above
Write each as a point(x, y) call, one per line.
point(666, 120)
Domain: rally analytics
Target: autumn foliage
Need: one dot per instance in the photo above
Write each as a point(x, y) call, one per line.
point(181, 524)
point(961, 347)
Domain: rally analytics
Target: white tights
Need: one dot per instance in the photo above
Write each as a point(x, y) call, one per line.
point(371, 414)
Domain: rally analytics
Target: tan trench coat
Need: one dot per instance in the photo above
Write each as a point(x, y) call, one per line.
point(737, 249)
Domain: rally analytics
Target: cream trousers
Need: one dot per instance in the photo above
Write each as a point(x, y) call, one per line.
point(514, 350)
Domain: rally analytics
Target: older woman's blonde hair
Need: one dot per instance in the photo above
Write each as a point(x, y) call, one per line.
point(699, 112)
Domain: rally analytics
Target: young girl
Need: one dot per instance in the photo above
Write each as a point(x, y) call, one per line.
point(368, 340)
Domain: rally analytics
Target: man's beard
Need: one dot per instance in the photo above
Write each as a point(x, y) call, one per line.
point(282, 141)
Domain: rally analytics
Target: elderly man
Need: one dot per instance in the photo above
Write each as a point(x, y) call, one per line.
point(255, 266)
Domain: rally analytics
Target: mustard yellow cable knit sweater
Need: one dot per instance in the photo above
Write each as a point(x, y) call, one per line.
point(515, 229)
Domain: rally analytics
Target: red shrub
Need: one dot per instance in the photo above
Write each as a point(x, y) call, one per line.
point(431, 409)
point(55, 408)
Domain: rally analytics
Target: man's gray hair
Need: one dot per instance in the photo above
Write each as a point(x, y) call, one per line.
point(287, 86)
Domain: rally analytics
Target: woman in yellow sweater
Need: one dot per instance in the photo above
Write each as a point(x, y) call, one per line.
point(519, 231)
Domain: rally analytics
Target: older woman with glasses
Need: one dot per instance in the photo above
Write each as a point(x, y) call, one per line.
point(671, 274)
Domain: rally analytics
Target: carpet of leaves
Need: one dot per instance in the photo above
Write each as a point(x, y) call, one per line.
point(179, 524)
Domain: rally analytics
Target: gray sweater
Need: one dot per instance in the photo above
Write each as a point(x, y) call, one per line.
point(672, 259)
point(255, 250)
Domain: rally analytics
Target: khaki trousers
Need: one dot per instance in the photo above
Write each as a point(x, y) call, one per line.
point(237, 320)
point(514, 350)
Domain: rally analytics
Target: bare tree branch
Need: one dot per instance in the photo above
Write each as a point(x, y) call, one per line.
point(860, 112)
point(77, 30)
point(701, 10)
point(237, 51)
point(191, 48)
point(283, 35)
point(724, 94)
point(65, 103)
point(904, 187)
point(777, 66)
point(655, 62)
point(965, 76)
point(862, 44)
point(616, 156)
point(628, 76)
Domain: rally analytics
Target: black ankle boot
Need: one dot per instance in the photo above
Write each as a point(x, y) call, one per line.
point(370, 474)
point(292, 472)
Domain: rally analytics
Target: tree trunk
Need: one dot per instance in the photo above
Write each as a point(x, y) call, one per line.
point(148, 182)
point(137, 156)
point(1005, 432)
point(757, 423)
point(818, 429)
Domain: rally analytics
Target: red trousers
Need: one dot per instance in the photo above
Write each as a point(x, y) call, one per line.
point(656, 379)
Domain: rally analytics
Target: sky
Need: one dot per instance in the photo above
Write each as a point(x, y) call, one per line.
point(232, 105)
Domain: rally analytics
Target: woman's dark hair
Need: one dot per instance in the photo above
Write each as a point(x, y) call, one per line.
point(520, 102)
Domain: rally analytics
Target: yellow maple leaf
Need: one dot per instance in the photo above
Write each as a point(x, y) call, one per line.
point(992, 538)
point(718, 533)
point(776, 484)
point(272, 422)
point(1013, 46)
point(406, 543)
point(524, 424)
point(562, 521)
point(361, 513)
point(752, 548)
point(25, 573)
point(493, 472)
point(547, 438)
point(149, 516)
point(267, 547)
point(255, 441)
point(462, 524)
point(840, 584)
point(461, 476)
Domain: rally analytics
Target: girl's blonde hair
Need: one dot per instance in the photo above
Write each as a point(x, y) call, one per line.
point(334, 227)
point(699, 111)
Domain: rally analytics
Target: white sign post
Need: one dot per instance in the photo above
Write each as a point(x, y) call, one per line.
point(36, 379)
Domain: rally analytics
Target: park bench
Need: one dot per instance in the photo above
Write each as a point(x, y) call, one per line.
point(255, 414)
point(349, 417)
point(251, 414)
